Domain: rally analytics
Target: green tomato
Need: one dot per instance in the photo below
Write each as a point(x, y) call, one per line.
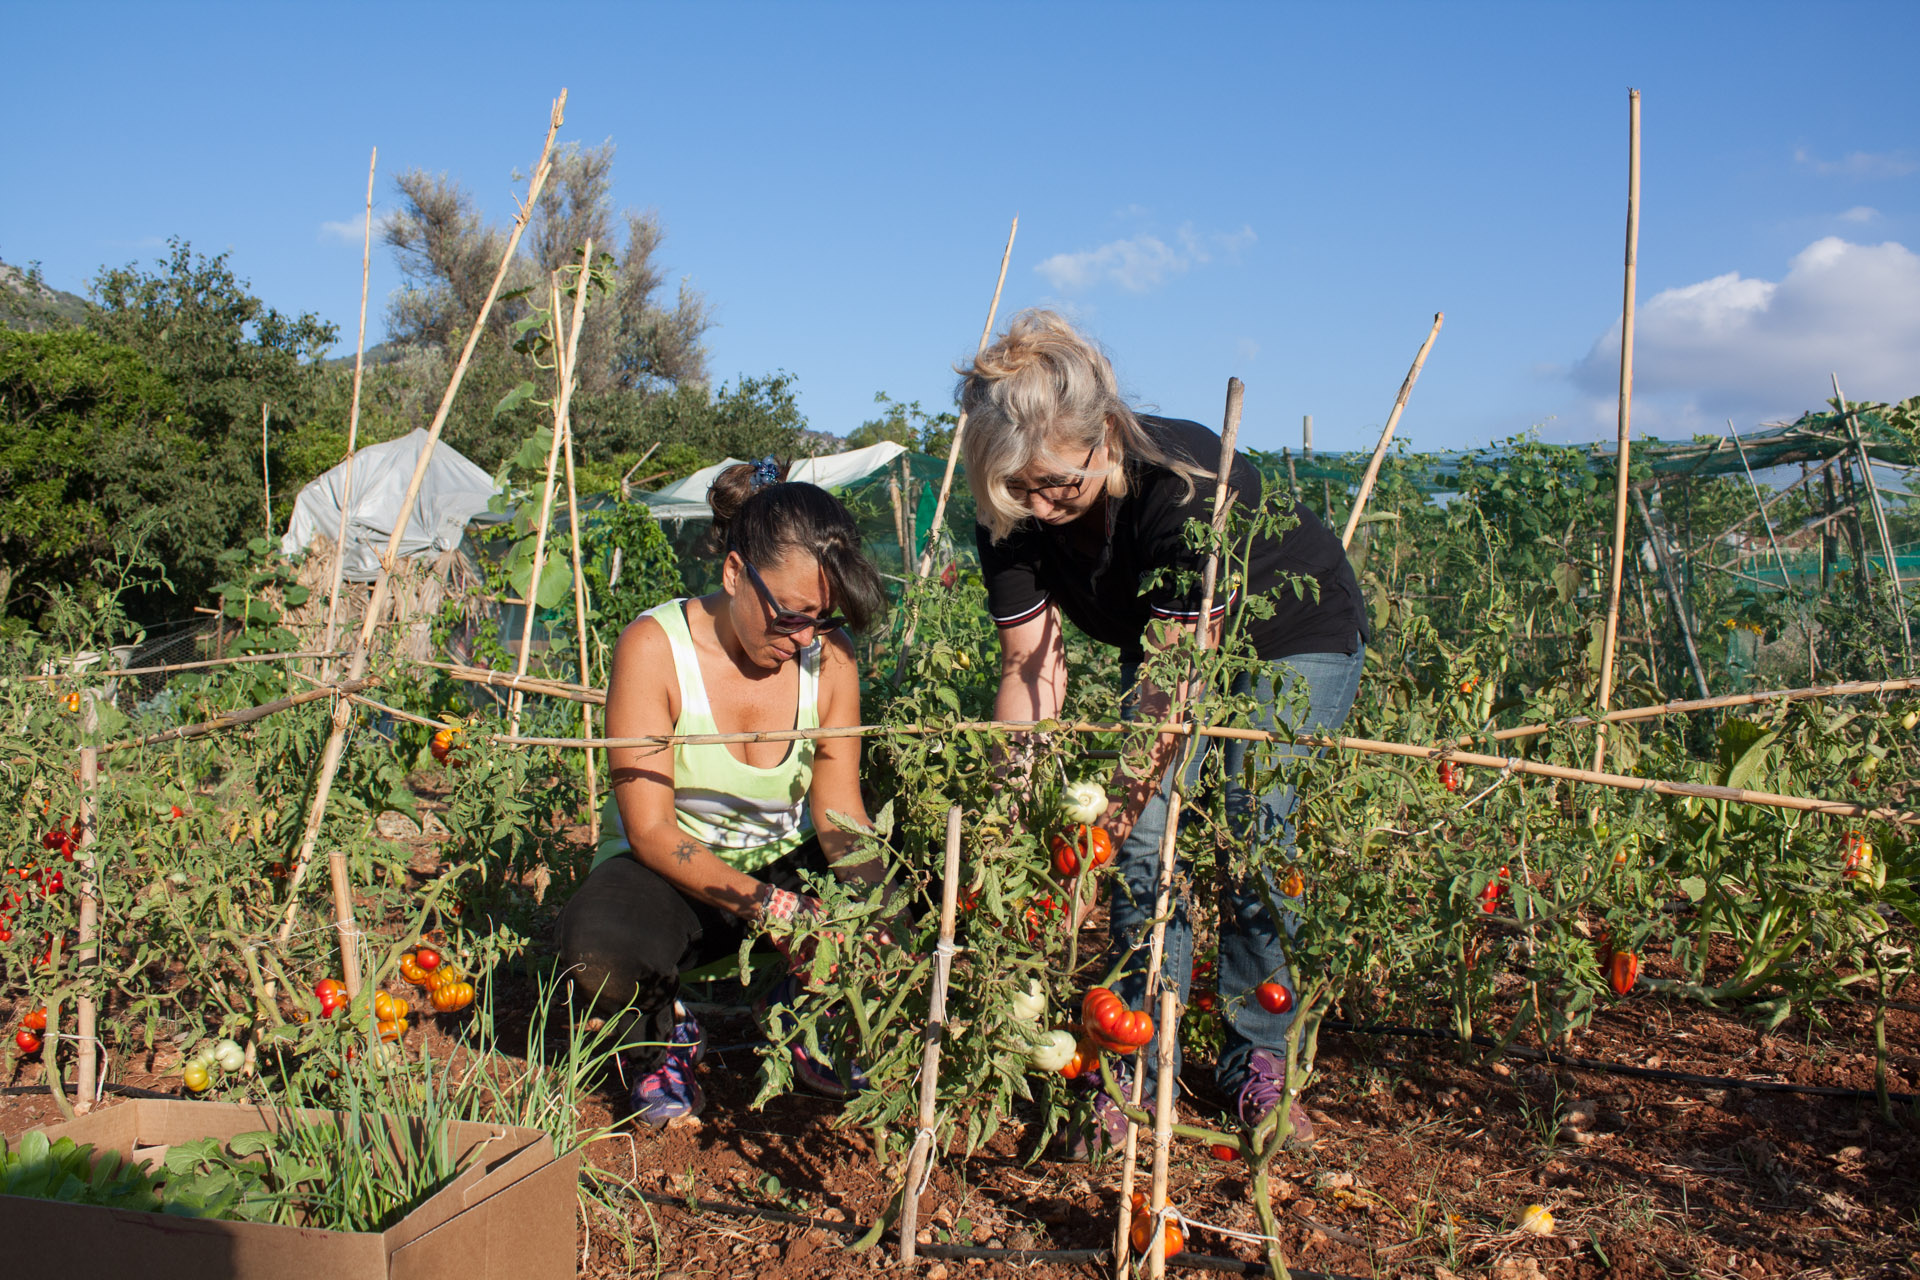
point(1051, 1052)
point(195, 1077)
point(1085, 801)
point(229, 1055)
point(1910, 719)
point(1028, 1005)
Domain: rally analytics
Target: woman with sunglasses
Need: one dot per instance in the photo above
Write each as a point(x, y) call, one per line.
point(1084, 505)
point(707, 841)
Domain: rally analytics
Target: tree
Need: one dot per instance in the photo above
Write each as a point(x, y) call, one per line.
point(906, 424)
point(448, 254)
point(224, 354)
point(93, 439)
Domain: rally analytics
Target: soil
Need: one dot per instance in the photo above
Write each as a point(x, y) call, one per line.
point(1421, 1160)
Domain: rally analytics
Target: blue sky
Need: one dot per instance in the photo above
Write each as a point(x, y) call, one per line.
point(1282, 192)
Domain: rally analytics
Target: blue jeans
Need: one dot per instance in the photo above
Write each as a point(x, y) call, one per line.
point(1252, 950)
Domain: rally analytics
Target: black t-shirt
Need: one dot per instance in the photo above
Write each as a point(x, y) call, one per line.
point(1096, 570)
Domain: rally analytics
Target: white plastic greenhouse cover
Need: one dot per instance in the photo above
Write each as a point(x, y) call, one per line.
point(687, 499)
point(453, 492)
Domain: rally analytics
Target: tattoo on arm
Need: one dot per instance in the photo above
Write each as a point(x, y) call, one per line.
point(684, 851)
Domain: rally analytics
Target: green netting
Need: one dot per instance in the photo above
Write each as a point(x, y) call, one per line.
point(1816, 437)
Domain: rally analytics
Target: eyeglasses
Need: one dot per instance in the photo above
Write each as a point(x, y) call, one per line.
point(786, 621)
point(1056, 489)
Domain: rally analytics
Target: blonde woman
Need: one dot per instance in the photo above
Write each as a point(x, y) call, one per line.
point(709, 840)
point(1082, 503)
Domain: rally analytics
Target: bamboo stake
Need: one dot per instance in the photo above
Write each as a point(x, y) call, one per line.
point(1673, 592)
point(1626, 430)
point(1365, 746)
point(86, 1027)
point(580, 630)
point(353, 425)
point(266, 478)
point(171, 666)
point(566, 343)
point(1786, 579)
point(530, 684)
point(1169, 1015)
point(1386, 432)
point(1879, 519)
point(1710, 704)
point(383, 584)
point(1807, 476)
point(925, 1139)
point(246, 715)
point(959, 427)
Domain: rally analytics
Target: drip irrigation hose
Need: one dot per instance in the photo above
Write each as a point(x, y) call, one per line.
point(1189, 1261)
point(125, 1090)
point(1616, 1068)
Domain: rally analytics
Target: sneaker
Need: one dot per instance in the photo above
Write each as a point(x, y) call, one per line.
point(1261, 1091)
point(687, 1040)
point(1105, 1128)
point(817, 1074)
point(666, 1093)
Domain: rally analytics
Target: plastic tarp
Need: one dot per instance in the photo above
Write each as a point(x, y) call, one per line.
point(454, 492)
point(687, 499)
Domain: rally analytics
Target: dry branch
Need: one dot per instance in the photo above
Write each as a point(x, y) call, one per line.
point(175, 666)
point(529, 684)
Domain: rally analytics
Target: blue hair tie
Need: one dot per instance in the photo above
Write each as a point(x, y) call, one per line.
point(766, 472)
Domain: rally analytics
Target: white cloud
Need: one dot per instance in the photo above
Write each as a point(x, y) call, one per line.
point(1142, 262)
point(1752, 349)
point(1247, 350)
point(350, 232)
point(1860, 164)
point(1860, 213)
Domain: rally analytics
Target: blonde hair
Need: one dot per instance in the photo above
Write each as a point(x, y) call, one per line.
point(1043, 390)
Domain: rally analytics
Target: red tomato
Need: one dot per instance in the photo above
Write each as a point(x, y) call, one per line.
point(1273, 997)
point(1624, 972)
point(427, 958)
point(176, 812)
point(27, 1042)
point(1223, 1153)
point(1067, 848)
point(1203, 1001)
point(1449, 776)
point(1113, 1026)
point(37, 1020)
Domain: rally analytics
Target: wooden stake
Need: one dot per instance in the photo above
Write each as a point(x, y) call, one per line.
point(1879, 519)
point(566, 346)
point(1786, 579)
point(924, 1138)
point(580, 631)
point(1386, 432)
point(1626, 426)
point(234, 719)
point(1169, 1013)
point(383, 584)
point(959, 428)
point(266, 478)
point(1709, 704)
point(353, 426)
point(172, 666)
point(86, 1029)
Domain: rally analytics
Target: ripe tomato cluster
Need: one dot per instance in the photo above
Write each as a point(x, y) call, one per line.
point(390, 1016)
point(27, 1038)
point(1495, 893)
point(63, 839)
point(1111, 1025)
point(1449, 775)
point(1857, 855)
point(1094, 842)
point(447, 989)
point(445, 742)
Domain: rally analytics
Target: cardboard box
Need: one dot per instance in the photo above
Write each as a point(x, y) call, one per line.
point(510, 1216)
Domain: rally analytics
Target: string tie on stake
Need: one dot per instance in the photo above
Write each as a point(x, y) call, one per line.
point(927, 1135)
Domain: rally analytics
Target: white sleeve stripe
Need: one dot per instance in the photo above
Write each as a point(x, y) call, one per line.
point(1015, 619)
point(1218, 609)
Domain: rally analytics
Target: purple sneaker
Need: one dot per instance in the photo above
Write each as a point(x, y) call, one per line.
point(1261, 1090)
point(817, 1074)
point(669, 1091)
point(1106, 1128)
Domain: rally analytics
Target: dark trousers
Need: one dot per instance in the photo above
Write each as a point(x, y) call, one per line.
point(628, 934)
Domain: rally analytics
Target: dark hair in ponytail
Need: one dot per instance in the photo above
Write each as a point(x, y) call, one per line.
point(765, 520)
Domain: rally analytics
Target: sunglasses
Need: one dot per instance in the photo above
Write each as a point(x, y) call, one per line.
point(1054, 489)
point(786, 621)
